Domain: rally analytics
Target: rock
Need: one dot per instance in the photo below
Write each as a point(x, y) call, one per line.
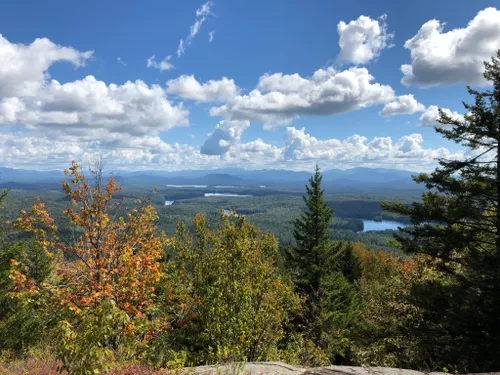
point(276, 368)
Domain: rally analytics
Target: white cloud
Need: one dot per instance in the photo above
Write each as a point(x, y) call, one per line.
point(24, 68)
point(204, 10)
point(358, 150)
point(227, 133)
point(133, 108)
point(42, 152)
point(431, 115)
point(211, 35)
point(187, 87)
point(120, 61)
point(165, 64)
point(201, 15)
point(254, 153)
point(403, 105)
point(195, 28)
point(10, 109)
point(125, 123)
point(180, 49)
point(300, 152)
point(363, 39)
point(444, 58)
point(279, 98)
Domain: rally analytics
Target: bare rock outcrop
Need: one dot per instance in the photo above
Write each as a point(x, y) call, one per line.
point(276, 368)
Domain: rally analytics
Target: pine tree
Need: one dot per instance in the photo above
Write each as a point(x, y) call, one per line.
point(324, 272)
point(457, 226)
point(312, 229)
point(311, 232)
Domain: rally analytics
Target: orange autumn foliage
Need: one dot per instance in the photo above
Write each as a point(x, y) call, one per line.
point(114, 256)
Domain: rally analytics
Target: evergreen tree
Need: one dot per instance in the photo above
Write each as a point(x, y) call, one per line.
point(312, 228)
point(457, 226)
point(324, 273)
point(312, 234)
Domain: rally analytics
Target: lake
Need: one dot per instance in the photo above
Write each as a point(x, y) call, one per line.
point(369, 225)
point(169, 203)
point(187, 186)
point(227, 195)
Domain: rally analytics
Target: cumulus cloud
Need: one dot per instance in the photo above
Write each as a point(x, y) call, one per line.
point(431, 115)
point(121, 152)
point(356, 149)
point(227, 133)
point(444, 58)
point(187, 87)
point(279, 98)
point(165, 64)
point(10, 109)
point(133, 108)
point(64, 121)
point(403, 105)
point(254, 153)
point(300, 152)
point(42, 152)
point(363, 39)
point(23, 68)
point(201, 15)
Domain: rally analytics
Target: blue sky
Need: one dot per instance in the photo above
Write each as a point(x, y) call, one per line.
point(171, 116)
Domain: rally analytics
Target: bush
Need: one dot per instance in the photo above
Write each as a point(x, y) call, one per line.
point(239, 301)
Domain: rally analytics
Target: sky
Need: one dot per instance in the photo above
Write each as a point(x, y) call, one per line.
point(282, 84)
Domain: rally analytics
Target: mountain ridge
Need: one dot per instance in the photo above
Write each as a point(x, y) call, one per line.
point(356, 178)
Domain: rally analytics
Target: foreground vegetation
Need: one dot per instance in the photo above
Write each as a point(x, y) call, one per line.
point(110, 292)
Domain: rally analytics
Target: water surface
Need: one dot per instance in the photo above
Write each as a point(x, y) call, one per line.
point(369, 225)
point(187, 186)
point(227, 195)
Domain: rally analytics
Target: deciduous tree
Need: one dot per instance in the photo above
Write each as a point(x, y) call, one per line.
point(240, 301)
point(103, 289)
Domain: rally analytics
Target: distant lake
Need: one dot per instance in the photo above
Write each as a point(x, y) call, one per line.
point(369, 225)
point(169, 203)
point(227, 195)
point(187, 186)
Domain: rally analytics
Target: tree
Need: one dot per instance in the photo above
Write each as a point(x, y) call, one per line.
point(383, 338)
point(324, 273)
point(21, 325)
point(239, 300)
point(103, 288)
point(312, 234)
point(457, 225)
point(311, 230)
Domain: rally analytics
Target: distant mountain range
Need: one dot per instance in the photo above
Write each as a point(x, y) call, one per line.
point(357, 179)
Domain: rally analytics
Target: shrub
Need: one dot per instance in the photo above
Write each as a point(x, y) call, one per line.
point(239, 301)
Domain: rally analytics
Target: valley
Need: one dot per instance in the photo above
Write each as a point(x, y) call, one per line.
point(271, 205)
